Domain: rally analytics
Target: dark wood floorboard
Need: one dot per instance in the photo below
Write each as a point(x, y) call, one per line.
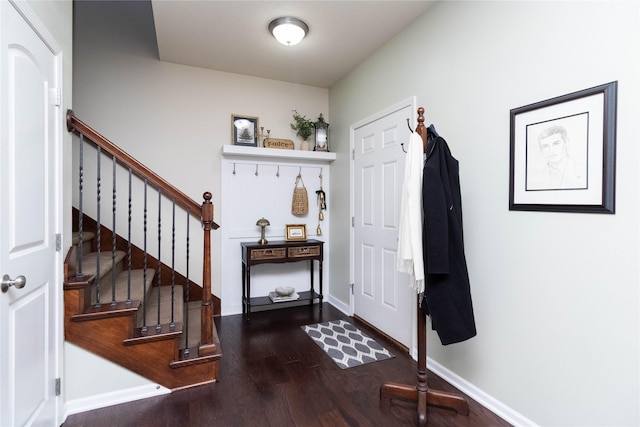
point(273, 374)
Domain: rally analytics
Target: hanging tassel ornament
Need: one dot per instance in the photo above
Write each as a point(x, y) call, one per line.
point(322, 205)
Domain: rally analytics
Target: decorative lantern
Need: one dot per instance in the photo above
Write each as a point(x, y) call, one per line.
point(322, 135)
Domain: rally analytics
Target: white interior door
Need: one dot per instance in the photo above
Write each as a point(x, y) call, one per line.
point(381, 294)
point(28, 217)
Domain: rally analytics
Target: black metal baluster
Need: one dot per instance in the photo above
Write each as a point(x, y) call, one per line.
point(143, 331)
point(129, 246)
point(80, 214)
point(158, 327)
point(113, 236)
point(172, 325)
point(98, 189)
point(187, 296)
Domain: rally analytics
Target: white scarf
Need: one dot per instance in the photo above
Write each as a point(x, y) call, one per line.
point(409, 258)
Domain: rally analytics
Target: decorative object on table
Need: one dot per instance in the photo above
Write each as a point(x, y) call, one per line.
point(295, 232)
point(285, 291)
point(262, 137)
point(563, 153)
point(345, 344)
point(244, 130)
point(262, 223)
point(278, 143)
point(300, 201)
point(322, 205)
point(303, 127)
point(322, 134)
point(276, 296)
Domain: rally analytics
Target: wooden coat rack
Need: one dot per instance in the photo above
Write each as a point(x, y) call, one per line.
point(420, 392)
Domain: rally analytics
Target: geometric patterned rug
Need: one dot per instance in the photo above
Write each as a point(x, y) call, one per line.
point(346, 344)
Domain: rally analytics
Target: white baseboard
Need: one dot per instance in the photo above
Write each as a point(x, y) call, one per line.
point(489, 402)
point(113, 398)
point(339, 305)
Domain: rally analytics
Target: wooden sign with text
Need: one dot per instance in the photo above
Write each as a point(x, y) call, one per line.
point(278, 143)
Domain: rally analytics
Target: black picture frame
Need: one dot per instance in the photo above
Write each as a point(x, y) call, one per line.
point(563, 153)
point(244, 130)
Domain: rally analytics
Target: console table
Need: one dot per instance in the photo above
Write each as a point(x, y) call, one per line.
point(254, 253)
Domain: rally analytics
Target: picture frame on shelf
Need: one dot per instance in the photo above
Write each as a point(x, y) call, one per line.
point(296, 232)
point(244, 130)
point(562, 153)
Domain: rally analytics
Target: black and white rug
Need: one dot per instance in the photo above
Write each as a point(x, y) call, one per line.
point(346, 344)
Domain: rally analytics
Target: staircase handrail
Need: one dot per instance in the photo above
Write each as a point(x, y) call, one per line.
point(124, 158)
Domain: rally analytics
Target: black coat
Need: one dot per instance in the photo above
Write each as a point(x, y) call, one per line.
point(447, 297)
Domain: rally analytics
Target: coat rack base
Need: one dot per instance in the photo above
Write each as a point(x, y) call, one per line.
point(420, 392)
point(423, 398)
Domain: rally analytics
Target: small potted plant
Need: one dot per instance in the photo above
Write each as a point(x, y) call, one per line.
point(303, 127)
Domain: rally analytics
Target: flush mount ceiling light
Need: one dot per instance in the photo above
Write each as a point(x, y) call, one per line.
point(288, 31)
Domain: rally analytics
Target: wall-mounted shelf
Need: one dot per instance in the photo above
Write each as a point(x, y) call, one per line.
point(276, 153)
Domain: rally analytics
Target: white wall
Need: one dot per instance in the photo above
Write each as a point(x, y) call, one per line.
point(171, 117)
point(556, 295)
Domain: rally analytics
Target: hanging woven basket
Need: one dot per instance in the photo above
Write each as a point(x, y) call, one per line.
point(300, 201)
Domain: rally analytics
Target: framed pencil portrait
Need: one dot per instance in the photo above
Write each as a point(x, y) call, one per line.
point(562, 153)
point(244, 130)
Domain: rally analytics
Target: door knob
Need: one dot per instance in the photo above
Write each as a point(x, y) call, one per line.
point(18, 283)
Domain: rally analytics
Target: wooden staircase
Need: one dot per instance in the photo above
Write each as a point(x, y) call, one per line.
point(130, 308)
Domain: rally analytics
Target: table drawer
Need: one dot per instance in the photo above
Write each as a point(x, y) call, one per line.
point(271, 253)
point(304, 251)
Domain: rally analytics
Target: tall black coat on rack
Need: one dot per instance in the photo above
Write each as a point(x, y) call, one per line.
point(420, 392)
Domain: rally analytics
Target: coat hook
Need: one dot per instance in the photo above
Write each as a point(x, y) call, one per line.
point(278, 172)
point(300, 171)
point(410, 130)
point(320, 176)
point(256, 170)
point(234, 169)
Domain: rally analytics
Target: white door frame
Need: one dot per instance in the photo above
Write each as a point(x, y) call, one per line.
point(411, 101)
point(32, 19)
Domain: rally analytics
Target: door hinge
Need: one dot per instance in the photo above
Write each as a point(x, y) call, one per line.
point(58, 242)
point(58, 392)
point(353, 154)
point(353, 285)
point(353, 221)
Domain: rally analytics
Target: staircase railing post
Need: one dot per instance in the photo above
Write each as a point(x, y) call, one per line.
point(207, 345)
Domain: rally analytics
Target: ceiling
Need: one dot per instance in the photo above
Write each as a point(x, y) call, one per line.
point(232, 36)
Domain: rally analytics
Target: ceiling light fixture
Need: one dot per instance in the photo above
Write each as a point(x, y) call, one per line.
point(288, 31)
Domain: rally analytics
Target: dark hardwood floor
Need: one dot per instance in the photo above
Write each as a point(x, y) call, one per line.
point(273, 374)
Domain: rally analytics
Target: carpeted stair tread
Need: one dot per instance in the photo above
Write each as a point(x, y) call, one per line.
point(165, 306)
point(122, 281)
point(90, 262)
point(87, 236)
point(194, 308)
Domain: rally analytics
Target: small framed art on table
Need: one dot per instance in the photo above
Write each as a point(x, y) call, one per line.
point(563, 153)
point(244, 130)
point(296, 232)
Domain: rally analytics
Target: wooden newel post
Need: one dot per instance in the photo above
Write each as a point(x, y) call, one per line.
point(206, 341)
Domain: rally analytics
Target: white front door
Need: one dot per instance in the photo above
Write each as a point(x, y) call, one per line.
point(29, 142)
point(382, 295)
